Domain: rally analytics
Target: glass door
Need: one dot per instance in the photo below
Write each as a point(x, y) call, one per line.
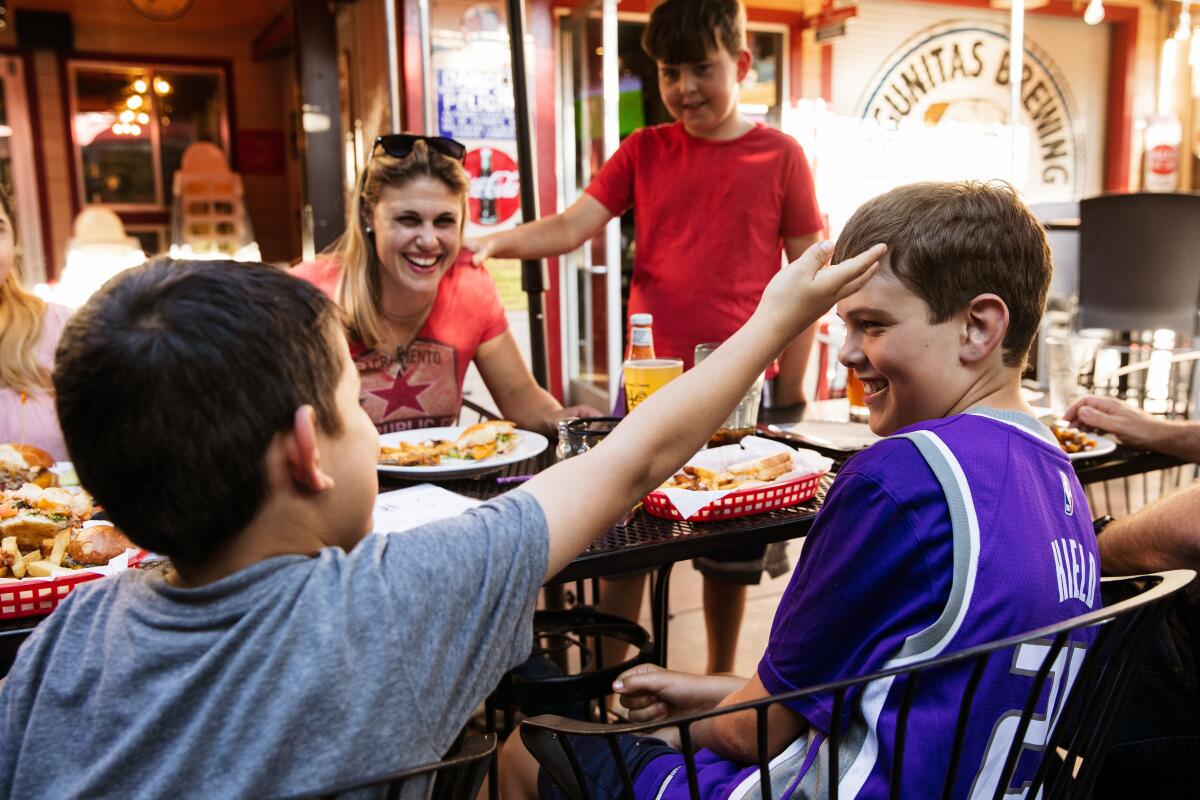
point(18, 172)
point(590, 276)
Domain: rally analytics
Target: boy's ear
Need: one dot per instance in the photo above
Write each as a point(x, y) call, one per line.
point(303, 454)
point(744, 60)
point(986, 318)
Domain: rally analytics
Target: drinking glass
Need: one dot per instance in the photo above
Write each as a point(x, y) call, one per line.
point(742, 421)
point(856, 394)
point(1067, 359)
point(645, 376)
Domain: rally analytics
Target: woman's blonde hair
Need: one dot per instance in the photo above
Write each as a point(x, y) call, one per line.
point(358, 289)
point(21, 316)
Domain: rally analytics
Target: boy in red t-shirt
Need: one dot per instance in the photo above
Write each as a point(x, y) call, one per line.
point(719, 199)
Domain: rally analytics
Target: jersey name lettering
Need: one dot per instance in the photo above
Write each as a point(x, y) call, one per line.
point(1076, 579)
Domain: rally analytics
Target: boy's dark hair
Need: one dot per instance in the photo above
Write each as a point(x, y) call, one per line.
point(684, 31)
point(172, 381)
point(950, 242)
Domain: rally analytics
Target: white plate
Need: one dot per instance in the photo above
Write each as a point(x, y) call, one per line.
point(846, 437)
point(1104, 446)
point(530, 445)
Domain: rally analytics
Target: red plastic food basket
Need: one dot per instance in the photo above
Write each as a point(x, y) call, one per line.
point(36, 596)
point(743, 502)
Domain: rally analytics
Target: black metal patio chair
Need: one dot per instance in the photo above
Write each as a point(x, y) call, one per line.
point(456, 777)
point(1077, 742)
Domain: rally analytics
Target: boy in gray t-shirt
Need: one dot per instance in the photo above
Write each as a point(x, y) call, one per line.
point(212, 409)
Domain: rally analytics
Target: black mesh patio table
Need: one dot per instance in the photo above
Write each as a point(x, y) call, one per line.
point(646, 542)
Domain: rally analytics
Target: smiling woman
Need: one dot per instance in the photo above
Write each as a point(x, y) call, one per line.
point(417, 311)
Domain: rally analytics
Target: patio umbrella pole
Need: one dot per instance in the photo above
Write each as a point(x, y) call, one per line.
point(535, 276)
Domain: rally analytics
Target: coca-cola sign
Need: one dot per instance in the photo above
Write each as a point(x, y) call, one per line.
point(495, 194)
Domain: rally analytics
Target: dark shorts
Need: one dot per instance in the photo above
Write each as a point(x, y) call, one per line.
point(599, 770)
point(745, 566)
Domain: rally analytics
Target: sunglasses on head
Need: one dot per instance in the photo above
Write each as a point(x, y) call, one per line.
point(400, 145)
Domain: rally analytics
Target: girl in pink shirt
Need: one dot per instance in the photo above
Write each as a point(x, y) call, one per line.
point(29, 332)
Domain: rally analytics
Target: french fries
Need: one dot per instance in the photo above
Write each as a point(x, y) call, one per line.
point(416, 454)
point(11, 557)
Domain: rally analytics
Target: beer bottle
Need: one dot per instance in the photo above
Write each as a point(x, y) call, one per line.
point(641, 337)
point(487, 189)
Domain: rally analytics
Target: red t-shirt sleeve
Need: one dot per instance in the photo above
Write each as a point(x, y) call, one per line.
point(482, 298)
point(801, 215)
point(613, 184)
point(495, 321)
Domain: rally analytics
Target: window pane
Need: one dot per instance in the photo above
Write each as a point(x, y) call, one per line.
point(191, 106)
point(112, 116)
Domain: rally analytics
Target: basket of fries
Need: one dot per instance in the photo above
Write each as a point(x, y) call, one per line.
point(49, 544)
point(753, 477)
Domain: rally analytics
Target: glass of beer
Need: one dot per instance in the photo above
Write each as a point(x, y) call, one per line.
point(855, 393)
point(645, 376)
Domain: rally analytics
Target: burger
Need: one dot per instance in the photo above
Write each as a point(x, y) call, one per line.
point(487, 439)
point(32, 513)
point(96, 545)
point(22, 463)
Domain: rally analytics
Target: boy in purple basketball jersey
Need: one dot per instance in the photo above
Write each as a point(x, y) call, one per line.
point(966, 525)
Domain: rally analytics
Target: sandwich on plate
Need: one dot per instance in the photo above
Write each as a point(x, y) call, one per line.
point(486, 439)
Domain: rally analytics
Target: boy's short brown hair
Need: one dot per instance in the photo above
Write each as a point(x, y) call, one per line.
point(173, 380)
point(684, 31)
point(951, 242)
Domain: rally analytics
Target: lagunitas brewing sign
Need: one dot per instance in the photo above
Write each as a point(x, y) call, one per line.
point(495, 194)
point(958, 72)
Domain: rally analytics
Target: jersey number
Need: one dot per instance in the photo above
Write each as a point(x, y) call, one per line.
point(1026, 662)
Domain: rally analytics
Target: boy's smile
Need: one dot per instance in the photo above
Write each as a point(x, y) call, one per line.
point(909, 367)
point(703, 96)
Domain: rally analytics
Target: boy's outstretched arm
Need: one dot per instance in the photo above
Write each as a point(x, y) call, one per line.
point(793, 362)
point(545, 237)
point(583, 496)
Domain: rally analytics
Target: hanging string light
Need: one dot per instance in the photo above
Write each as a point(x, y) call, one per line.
point(1094, 13)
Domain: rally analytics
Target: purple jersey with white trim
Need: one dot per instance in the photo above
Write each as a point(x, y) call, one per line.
point(953, 533)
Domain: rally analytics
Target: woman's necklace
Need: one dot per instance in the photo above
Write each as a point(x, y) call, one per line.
point(405, 322)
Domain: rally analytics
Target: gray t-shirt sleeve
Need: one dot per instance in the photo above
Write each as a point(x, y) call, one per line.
point(466, 590)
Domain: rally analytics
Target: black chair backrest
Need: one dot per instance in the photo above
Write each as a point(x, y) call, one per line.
point(1077, 742)
point(1062, 234)
point(456, 777)
point(10, 642)
point(1139, 262)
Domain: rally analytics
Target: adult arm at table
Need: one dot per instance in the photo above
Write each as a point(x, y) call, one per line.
point(1135, 427)
point(516, 393)
point(583, 496)
point(793, 362)
point(1163, 535)
point(548, 236)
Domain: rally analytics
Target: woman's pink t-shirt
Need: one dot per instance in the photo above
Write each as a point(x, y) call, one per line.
point(32, 419)
point(421, 386)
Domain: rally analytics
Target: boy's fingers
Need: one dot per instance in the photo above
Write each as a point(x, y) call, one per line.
point(636, 702)
point(657, 711)
point(815, 257)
